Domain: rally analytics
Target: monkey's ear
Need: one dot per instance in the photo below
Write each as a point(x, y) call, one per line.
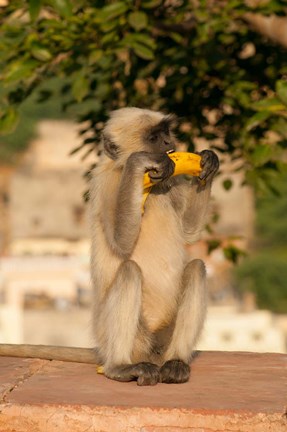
point(110, 148)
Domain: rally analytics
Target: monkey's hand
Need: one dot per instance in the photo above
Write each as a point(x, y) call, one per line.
point(209, 164)
point(160, 167)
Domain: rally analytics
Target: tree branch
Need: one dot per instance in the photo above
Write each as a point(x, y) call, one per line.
point(273, 27)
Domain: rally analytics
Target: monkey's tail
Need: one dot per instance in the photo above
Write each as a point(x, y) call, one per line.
point(48, 352)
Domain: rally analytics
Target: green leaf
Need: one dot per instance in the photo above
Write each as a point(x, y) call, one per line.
point(77, 149)
point(144, 39)
point(262, 154)
point(132, 40)
point(213, 245)
point(143, 51)
point(40, 53)
point(19, 70)
point(109, 25)
point(80, 87)
point(110, 37)
point(257, 119)
point(176, 37)
point(280, 126)
point(95, 56)
point(86, 196)
point(281, 89)
point(138, 20)
point(150, 4)
point(227, 184)
point(106, 62)
point(8, 121)
point(34, 9)
point(112, 11)
point(63, 7)
point(270, 104)
point(44, 95)
point(103, 90)
point(233, 253)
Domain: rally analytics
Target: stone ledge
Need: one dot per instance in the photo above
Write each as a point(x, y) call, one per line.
point(231, 392)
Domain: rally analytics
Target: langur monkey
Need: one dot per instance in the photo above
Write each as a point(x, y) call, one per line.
point(149, 300)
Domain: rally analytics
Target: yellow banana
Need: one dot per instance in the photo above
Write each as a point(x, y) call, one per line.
point(185, 163)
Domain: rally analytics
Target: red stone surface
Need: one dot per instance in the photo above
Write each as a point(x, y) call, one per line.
point(226, 392)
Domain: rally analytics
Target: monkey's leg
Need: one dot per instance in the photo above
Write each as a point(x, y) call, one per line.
point(121, 318)
point(188, 325)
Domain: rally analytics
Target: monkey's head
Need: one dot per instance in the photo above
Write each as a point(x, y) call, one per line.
point(132, 130)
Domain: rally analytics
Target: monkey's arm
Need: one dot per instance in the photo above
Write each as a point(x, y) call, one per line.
point(197, 195)
point(125, 225)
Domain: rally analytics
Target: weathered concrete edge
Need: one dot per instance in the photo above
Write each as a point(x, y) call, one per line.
point(20, 377)
point(78, 418)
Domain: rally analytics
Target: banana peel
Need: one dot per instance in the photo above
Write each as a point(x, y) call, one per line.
point(185, 163)
point(100, 370)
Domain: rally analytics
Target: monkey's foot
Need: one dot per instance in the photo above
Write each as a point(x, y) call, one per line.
point(144, 373)
point(174, 371)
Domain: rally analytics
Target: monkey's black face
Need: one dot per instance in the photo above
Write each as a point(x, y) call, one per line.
point(159, 139)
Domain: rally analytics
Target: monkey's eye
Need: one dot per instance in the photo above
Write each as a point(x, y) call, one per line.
point(153, 138)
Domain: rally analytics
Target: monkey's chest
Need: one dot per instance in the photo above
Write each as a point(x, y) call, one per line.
point(160, 253)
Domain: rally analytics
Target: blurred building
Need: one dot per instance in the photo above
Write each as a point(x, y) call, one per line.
point(234, 330)
point(11, 323)
point(47, 209)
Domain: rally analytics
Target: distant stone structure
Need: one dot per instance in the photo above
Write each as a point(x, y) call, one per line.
point(47, 209)
point(234, 330)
